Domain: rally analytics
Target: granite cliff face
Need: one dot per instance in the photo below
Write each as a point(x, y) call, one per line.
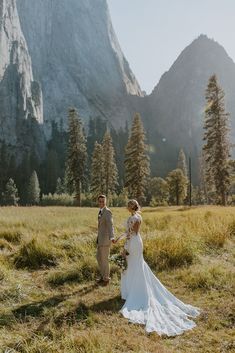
point(77, 59)
point(20, 95)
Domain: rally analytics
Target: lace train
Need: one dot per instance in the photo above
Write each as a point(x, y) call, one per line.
point(148, 302)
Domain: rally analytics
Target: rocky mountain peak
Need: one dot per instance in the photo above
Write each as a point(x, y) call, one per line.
point(20, 95)
point(77, 58)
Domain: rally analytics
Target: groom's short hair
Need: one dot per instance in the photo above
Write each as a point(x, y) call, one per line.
point(101, 197)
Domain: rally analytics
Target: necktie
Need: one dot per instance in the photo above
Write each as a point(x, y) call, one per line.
point(100, 213)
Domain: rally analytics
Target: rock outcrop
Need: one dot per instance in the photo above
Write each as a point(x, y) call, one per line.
point(20, 95)
point(77, 59)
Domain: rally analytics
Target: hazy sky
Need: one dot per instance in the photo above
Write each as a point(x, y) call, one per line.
point(152, 33)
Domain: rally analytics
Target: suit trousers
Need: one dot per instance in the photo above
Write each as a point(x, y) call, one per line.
point(102, 256)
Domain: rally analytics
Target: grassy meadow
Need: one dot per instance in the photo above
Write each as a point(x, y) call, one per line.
point(49, 302)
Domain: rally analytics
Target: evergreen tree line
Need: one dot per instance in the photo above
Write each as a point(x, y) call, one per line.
point(79, 166)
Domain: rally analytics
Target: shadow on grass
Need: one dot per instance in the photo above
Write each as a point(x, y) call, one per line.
point(35, 309)
point(111, 305)
point(80, 312)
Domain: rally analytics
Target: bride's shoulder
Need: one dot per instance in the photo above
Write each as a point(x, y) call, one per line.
point(137, 216)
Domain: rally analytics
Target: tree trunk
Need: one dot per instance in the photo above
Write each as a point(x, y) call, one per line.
point(78, 194)
point(224, 199)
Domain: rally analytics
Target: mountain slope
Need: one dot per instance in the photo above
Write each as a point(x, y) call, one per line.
point(20, 95)
point(77, 58)
point(175, 109)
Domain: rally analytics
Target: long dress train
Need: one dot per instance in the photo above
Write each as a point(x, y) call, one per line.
point(147, 301)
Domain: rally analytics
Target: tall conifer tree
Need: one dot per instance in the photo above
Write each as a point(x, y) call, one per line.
point(33, 191)
point(97, 171)
point(137, 169)
point(110, 167)
point(10, 195)
point(217, 146)
point(177, 184)
point(182, 164)
point(76, 155)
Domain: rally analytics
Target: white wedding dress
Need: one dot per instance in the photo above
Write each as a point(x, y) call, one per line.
point(148, 302)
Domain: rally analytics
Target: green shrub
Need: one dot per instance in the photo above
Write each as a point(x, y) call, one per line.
point(57, 200)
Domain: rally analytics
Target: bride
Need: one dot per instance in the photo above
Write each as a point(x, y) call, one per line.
point(147, 301)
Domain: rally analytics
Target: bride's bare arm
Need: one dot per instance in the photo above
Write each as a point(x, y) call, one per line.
point(124, 235)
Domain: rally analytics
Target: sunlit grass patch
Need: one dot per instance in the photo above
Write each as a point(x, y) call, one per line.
point(5, 245)
point(215, 238)
point(169, 251)
point(48, 308)
point(212, 276)
point(11, 235)
point(74, 272)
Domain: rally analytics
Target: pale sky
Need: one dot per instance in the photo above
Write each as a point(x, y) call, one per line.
point(152, 33)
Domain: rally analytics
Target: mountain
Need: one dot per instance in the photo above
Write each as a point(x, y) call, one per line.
point(174, 111)
point(70, 50)
point(20, 94)
point(77, 58)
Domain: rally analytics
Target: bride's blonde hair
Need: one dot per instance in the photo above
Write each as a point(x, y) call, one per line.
point(134, 205)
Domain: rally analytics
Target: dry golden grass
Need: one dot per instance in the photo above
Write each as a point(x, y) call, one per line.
point(48, 300)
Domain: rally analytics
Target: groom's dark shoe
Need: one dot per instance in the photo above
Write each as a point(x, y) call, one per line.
point(105, 283)
point(99, 281)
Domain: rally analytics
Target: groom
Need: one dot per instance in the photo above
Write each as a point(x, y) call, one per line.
point(104, 240)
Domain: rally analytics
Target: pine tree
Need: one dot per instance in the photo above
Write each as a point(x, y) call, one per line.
point(159, 191)
point(120, 139)
point(52, 171)
point(110, 167)
point(217, 146)
point(60, 189)
point(76, 155)
point(204, 188)
point(177, 184)
point(182, 164)
point(137, 169)
point(3, 166)
point(10, 195)
point(96, 130)
point(97, 171)
point(33, 194)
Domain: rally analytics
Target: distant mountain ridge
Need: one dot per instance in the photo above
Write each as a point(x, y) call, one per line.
point(174, 111)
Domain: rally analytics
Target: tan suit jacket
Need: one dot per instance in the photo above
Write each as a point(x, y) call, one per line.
point(105, 228)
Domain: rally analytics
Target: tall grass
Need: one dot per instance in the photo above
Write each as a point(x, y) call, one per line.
point(34, 255)
point(169, 251)
point(50, 303)
point(208, 277)
point(11, 235)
